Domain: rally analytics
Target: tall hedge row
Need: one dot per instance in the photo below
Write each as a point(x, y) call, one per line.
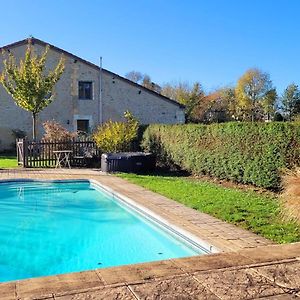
point(250, 153)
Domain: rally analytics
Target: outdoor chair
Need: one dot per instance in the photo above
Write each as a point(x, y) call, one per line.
point(82, 156)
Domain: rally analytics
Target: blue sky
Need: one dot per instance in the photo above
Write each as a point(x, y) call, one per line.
point(212, 42)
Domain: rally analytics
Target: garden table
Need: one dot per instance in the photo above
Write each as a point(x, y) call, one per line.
point(62, 158)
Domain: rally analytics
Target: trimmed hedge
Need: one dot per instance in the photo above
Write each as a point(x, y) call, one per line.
point(249, 153)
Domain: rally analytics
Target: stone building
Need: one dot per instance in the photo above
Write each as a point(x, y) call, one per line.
point(79, 104)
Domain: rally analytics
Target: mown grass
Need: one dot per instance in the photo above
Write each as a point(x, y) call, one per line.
point(8, 161)
point(248, 209)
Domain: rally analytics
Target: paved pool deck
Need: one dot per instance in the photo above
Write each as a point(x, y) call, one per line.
point(247, 267)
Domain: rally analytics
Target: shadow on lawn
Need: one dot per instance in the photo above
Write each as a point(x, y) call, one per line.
point(164, 172)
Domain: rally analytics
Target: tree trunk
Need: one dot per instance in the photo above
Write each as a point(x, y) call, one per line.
point(34, 126)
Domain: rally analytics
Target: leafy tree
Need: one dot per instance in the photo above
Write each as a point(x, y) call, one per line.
point(268, 103)
point(177, 91)
point(217, 106)
point(226, 104)
point(147, 82)
point(190, 96)
point(195, 96)
point(31, 87)
point(251, 90)
point(291, 101)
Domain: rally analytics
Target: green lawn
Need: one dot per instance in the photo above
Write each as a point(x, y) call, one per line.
point(247, 209)
point(8, 161)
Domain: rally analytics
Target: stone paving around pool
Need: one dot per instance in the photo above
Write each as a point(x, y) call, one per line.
point(248, 267)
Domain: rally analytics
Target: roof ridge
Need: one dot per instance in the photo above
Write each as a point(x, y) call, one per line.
point(38, 41)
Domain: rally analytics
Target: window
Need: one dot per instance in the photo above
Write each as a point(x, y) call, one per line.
point(85, 90)
point(83, 125)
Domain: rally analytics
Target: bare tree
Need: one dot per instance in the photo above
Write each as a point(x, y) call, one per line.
point(134, 76)
point(144, 80)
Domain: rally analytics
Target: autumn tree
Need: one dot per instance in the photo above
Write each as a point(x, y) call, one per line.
point(190, 96)
point(252, 89)
point(29, 83)
point(226, 104)
point(195, 97)
point(177, 91)
point(55, 131)
point(291, 101)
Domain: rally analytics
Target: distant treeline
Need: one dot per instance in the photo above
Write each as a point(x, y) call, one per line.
point(254, 98)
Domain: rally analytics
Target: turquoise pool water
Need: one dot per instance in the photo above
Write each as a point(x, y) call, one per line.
point(49, 228)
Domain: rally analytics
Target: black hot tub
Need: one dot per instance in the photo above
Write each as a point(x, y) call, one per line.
point(130, 162)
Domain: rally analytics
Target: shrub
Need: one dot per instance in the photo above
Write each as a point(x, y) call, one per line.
point(117, 136)
point(55, 131)
point(17, 134)
point(250, 153)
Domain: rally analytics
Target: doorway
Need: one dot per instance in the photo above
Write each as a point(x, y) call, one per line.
point(83, 125)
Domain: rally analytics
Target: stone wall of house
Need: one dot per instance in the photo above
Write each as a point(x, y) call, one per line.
point(118, 96)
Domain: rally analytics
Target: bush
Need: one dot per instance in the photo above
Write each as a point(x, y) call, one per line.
point(117, 136)
point(250, 153)
point(55, 131)
point(17, 134)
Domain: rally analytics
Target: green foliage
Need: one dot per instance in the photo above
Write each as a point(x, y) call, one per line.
point(255, 95)
point(268, 103)
point(291, 101)
point(260, 214)
point(250, 153)
point(190, 96)
point(117, 136)
point(27, 82)
point(18, 133)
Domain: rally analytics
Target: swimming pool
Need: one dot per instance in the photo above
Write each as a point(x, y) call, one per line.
point(57, 227)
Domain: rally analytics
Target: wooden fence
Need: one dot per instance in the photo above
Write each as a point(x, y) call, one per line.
point(32, 154)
